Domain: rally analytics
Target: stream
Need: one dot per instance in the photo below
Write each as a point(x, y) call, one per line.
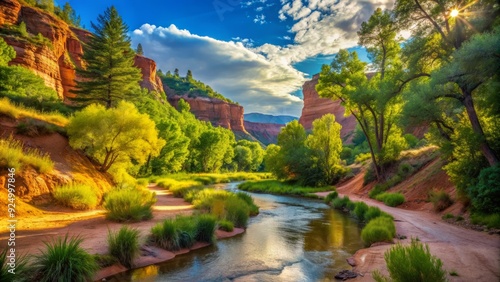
point(292, 239)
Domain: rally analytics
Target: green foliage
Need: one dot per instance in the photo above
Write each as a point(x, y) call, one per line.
point(214, 149)
point(391, 199)
point(7, 53)
point(76, 195)
point(340, 203)
point(139, 49)
point(248, 155)
point(32, 127)
point(360, 209)
point(17, 112)
point(166, 235)
point(237, 211)
point(486, 192)
point(331, 196)
point(281, 188)
point(23, 270)
point(254, 209)
point(129, 205)
point(371, 213)
point(490, 220)
point(68, 15)
point(440, 200)
point(448, 216)
point(13, 155)
point(119, 136)
point(380, 229)
point(413, 263)
point(105, 260)
point(378, 189)
point(206, 225)
point(187, 230)
point(110, 74)
point(124, 245)
point(226, 225)
point(64, 260)
point(188, 85)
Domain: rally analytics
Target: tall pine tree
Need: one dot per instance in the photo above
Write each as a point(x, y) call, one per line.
point(110, 73)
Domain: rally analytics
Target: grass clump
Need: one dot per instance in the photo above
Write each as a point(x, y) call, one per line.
point(440, 200)
point(186, 227)
point(205, 226)
point(166, 235)
point(340, 203)
point(22, 267)
point(412, 263)
point(331, 196)
point(105, 260)
point(76, 195)
point(124, 245)
point(489, 220)
point(391, 199)
point(129, 205)
point(13, 154)
point(64, 260)
point(360, 210)
point(226, 225)
point(281, 188)
point(380, 229)
point(254, 209)
point(237, 211)
point(15, 111)
point(448, 216)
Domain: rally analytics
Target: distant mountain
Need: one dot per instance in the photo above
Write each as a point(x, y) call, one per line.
point(263, 118)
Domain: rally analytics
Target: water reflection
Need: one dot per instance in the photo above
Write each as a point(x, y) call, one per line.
point(292, 239)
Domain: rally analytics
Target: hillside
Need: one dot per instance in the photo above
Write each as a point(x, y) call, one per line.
point(263, 118)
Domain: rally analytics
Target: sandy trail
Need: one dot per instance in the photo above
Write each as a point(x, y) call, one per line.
point(474, 255)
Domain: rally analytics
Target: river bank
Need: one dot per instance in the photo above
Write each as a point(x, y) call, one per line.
point(473, 255)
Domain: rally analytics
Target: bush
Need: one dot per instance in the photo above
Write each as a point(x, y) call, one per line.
point(412, 263)
point(64, 260)
point(391, 199)
point(331, 196)
point(360, 210)
point(491, 220)
point(124, 245)
point(440, 200)
point(448, 216)
point(369, 175)
point(340, 203)
point(129, 205)
point(378, 189)
point(485, 194)
point(22, 270)
point(166, 235)
point(371, 213)
point(226, 225)
point(380, 229)
point(254, 209)
point(77, 196)
point(205, 227)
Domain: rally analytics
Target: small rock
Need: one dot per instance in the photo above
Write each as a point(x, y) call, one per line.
point(346, 274)
point(351, 261)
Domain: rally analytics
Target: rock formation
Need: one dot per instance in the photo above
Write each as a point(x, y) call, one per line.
point(57, 62)
point(315, 107)
point(266, 133)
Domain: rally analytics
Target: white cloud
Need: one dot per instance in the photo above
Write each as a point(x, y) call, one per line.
point(260, 19)
point(237, 72)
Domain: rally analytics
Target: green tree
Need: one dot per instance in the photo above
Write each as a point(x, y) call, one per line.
point(243, 157)
point(273, 162)
point(248, 155)
point(120, 135)
point(175, 152)
point(110, 74)
point(47, 5)
point(189, 75)
point(176, 72)
point(68, 15)
point(7, 53)
point(139, 50)
point(215, 148)
point(326, 146)
point(376, 103)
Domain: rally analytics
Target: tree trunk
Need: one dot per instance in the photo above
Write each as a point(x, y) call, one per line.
point(487, 151)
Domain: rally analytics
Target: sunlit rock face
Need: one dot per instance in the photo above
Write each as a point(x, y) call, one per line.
point(316, 107)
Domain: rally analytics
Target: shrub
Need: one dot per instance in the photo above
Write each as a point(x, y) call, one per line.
point(378, 189)
point(360, 210)
point(331, 196)
point(371, 213)
point(226, 225)
point(391, 199)
point(369, 175)
point(448, 216)
point(77, 196)
point(22, 269)
point(64, 260)
point(412, 263)
point(486, 192)
point(129, 205)
point(380, 229)
point(237, 211)
point(166, 235)
point(340, 203)
point(203, 199)
point(205, 226)
point(491, 220)
point(405, 169)
point(350, 205)
point(124, 245)
point(440, 200)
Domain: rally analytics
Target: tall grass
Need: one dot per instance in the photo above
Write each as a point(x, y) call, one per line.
point(380, 229)
point(76, 195)
point(205, 225)
point(440, 200)
point(360, 210)
point(331, 196)
point(187, 230)
point(124, 245)
point(22, 268)
point(490, 220)
point(280, 188)
point(391, 199)
point(15, 111)
point(64, 260)
point(413, 263)
point(226, 225)
point(254, 209)
point(166, 235)
point(13, 154)
point(129, 205)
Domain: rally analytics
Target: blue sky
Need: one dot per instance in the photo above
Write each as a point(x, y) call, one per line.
point(255, 52)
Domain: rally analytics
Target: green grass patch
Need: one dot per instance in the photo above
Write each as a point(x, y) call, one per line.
point(489, 220)
point(76, 195)
point(281, 188)
point(360, 210)
point(340, 203)
point(129, 205)
point(391, 199)
point(124, 245)
point(166, 235)
point(15, 111)
point(448, 216)
point(64, 260)
point(186, 226)
point(22, 272)
point(380, 229)
point(13, 154)
point(105, 260)
point(331, 196)
point(440, 200)
point(412, 263)
point(226, 225)
point(205, 226)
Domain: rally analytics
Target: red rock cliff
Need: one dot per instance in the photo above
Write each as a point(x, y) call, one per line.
point(56, 64)
point(266, 133)
point(315, 107)
point(218, 112)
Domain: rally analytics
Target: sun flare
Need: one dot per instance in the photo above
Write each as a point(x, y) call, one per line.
point(454, 13)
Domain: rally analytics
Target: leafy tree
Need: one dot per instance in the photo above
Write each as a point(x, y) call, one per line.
point(111, 136)
point(326, 145)
point(215, 149)
point(183, 106)
point(243, 157)
point(189, 75)
point(376, 103)
point(68, 15)
point(248, 155)
point(175, 152)
point(7, 53)
point(273, 162)
point(139, 50)
point(110, 73)
point(46, 5)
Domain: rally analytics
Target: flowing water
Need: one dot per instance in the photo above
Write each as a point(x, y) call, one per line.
point(292, 239)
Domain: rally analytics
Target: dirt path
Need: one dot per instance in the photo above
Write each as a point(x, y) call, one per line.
point(474, 255)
